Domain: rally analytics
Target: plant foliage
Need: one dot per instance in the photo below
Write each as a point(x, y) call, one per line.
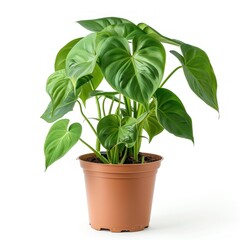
point(131, 59)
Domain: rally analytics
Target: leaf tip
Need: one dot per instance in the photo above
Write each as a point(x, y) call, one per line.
point(192, 139)
point(46, 167)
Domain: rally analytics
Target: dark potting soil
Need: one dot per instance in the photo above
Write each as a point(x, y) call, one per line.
point(129, 160)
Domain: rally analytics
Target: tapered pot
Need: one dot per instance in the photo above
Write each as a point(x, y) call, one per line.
point(120, 196)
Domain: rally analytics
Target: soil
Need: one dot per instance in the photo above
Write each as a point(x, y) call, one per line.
point(129, 160)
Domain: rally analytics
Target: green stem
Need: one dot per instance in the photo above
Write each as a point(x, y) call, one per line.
point(170, 76)
point(138, 143)
point(111, 106)
point(87, 120)
point(140, 110)
point(135, 110)
point(135, 150)
point(109, 156)
point(116, 155)
point(97, 153)
point(140, 137)
point(98, 145)
point(128, 106)
point(98, 108)
point(124, 156)
point(119, 104)
point(103, 106)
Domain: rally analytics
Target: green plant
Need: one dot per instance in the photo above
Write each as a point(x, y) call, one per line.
point(131, 58)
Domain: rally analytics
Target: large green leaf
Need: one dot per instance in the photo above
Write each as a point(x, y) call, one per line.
point(59, 86)
point(99, 24)
point(54, 112)
point(63, 97)
point(60, 140)
point(126, 30)
point(151, 124)
point(51, 115)
point(152, 32)
point(81, 59)
point(172, 114)
point(199, 73)
point(136, 75)
point(112, 130)
point(60, 60)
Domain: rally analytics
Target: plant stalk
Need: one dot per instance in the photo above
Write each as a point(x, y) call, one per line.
point(170, 76)
point(116, 155)
point(124, 156)
point(128, 106)
point(87, 120)
point(135, 110)
point(119, 104)
point(103, 106)
point(111, 106)
point(97, 153)
point(98, 145)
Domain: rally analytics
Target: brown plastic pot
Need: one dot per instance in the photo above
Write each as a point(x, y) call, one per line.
point(119, 196)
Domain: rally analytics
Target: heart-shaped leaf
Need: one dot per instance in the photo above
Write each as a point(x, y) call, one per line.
point(81, 60)
point(63, 97)
point(199, 73)
point(60, 61)
point(99, 24)
point(112, 130)
point(172, 114)
point(51, 115)
point(60, 140)
point(136, 75)
point(59, 86)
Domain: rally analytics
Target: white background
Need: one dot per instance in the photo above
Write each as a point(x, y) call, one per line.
point(197, 189)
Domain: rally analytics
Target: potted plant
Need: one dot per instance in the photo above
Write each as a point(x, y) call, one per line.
point(131, 59)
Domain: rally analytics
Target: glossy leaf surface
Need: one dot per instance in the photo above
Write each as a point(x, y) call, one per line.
point(59, 86)
point(172, 114)
point(99, 24)
point(126, 30)
point(199, 74)
point(152, 32)
point(110, 95)
point(86, 89)
point(151, 124)
point(60, 61)
point(82, 58)
point(63, 97)
point(60, 140)
point(112, 131)
point(136, 75)
point(102, 93)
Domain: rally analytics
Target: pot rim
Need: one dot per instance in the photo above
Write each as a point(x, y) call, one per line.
point(120, 168)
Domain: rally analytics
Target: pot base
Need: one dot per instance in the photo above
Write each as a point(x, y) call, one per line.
point(120, 229)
